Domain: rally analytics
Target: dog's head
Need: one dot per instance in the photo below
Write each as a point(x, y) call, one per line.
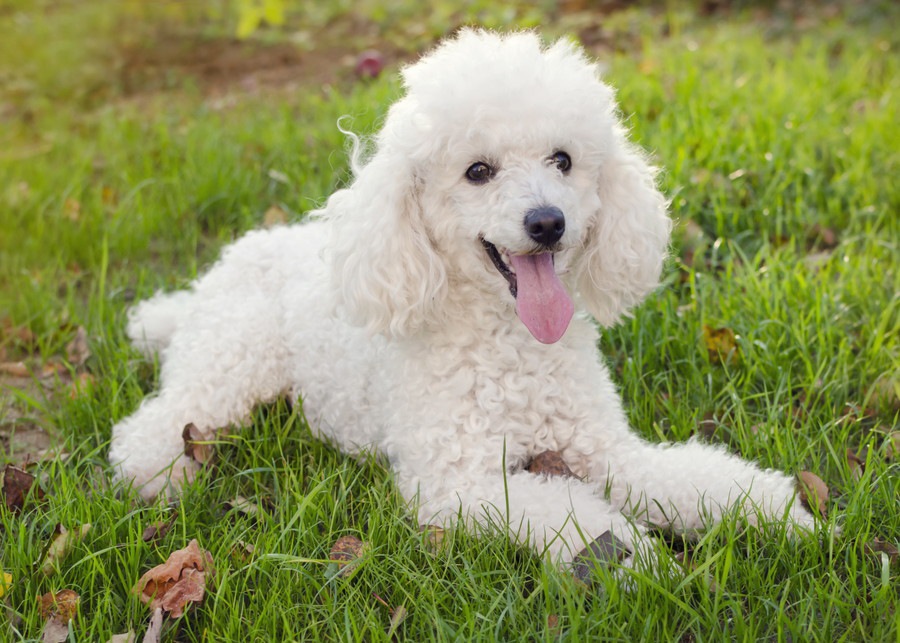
point(504, 165)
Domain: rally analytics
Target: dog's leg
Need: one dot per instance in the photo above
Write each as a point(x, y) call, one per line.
point(688, 486)
point(560, 517)
point(223, 360)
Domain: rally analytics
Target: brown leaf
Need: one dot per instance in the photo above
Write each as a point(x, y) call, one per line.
point(878, 546)
point(127, 637)
point(18, 487)
point(432, 537)
point(347, 552)
point(721, 344)
point(242, 552)
point(63, 603)
point(820, 236)
point(15, 369)
point(78, 351)
point(274, 216)
point(62, 544)
point(179, 582)
point(553, 625)
point(158, 529)
point(195, 446)
point(813, 492)
point(857, 465)
point(550, 464)
point(57, 610)
point(604, 549)
point(53, 367)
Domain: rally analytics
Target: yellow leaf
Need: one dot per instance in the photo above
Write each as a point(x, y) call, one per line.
point(721, 343)
point(250, 18)
point(5, 582)
point(273, 10)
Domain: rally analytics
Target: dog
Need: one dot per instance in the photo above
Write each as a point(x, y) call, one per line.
point(442, 311)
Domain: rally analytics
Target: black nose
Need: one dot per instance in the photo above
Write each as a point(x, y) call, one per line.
point(545, 225)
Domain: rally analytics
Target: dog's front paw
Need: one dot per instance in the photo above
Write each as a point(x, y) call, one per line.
point(150, 465)
point(166, 482)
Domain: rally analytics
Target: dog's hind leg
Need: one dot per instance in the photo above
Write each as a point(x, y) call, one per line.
point(219, 363)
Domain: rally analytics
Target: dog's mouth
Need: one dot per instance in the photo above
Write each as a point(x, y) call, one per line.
point(542, 302)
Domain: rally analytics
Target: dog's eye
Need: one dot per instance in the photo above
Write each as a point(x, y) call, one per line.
point(562, 161)
point(479, 172)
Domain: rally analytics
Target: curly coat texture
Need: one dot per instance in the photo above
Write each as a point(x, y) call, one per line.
point(386, 314)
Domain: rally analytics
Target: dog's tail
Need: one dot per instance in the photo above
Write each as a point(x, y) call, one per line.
point(152, 323)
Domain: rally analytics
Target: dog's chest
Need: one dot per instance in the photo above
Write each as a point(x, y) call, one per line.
point(524, 398)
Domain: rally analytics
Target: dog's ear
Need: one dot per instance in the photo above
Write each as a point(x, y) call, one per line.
point(627, 243)
point(385, 271)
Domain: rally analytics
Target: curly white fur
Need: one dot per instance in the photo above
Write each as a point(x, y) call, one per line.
point(386, 315)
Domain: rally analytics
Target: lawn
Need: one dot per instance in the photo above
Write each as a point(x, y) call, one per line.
point(138, 138)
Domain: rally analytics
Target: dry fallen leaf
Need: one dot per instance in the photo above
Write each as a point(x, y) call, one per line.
point(158, 529)
point(553, 624)
point(274, 216)
point(179, 582)
point(195, 446)
point(78, 351)
point(856, 463)
point(432, 537)
point(242, 552)
point(813, 492)
point(604, 549)
point(878, 546)
point(127, 637)
point(721, 344)
point(62, 544)
point(15, 369)
point(820, 236)
point(18, 487)
point(63, 603)
point(347, 552)
point(57, 610)
point(550, 464)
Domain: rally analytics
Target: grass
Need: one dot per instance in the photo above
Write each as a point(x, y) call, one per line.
point(778, 139)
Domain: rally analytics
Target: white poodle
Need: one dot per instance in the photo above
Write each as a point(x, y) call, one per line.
point(436, 312)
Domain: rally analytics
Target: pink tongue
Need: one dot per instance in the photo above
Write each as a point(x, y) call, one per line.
point(542, 303)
